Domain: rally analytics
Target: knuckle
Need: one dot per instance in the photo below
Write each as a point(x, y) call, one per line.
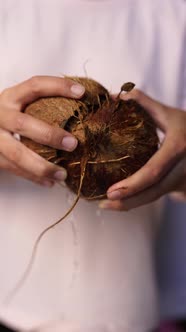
point(64, 86)
point(3, 136)
point(136, 94)
point(41, 170)
point(6, 98)
point(180, 145)
point(19, 123)
point(154, 173)
point(47, 136)
point(67, 82)
point(6, 93)
point(34, 84)
point(53, 137)
point(56, 136)
point(15, 155)
point(44, 170)
point(7, 101)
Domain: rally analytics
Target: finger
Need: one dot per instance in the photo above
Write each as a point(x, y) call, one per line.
point(38, 131)
point(157, 110)
point(178, 196)
point(162, 161)
point(135, 201)
point(168, 184)
point(5, 164)
point(143, 198)
point(27, 160)
point(43, 86)
point(112, 205)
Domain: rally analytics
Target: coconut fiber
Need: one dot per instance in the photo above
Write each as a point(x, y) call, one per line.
point(116, 137)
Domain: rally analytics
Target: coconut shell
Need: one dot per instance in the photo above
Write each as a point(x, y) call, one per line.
point(116, 137)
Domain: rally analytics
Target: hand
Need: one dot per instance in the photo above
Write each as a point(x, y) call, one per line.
point(165, 172)
point(14, 156)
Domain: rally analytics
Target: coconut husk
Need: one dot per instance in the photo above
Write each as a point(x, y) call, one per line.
point(116, 138)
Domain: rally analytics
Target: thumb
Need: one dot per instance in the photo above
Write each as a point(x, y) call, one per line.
point(156, 110)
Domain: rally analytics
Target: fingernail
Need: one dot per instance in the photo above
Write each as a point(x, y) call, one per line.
point(77, 90)
point(104, 204)
point(48, 183)
point(116, 194)
point(60, 175)
point(69, 143)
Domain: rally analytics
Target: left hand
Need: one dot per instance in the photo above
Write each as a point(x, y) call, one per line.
point(165, 172)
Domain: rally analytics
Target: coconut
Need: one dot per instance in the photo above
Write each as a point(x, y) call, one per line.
point(116, 137)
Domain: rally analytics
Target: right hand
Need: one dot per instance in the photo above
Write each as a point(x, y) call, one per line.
point(165, 171)
point(16, 157)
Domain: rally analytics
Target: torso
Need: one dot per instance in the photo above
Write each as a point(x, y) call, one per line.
point(96, 268)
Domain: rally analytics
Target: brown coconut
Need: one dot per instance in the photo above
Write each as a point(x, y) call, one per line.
point(116, 137)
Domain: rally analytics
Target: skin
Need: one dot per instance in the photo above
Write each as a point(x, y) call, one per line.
point(165, 172)
point(14, 156)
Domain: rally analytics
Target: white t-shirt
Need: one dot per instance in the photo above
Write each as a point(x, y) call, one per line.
point(95, 270)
